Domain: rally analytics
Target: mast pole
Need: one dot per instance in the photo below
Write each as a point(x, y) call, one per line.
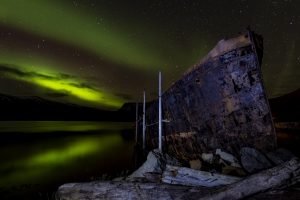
point(144, 121)
point(136, 121)
point(159, 114)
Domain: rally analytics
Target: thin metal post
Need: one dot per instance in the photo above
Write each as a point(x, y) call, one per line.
point(144, 121)
point(136, 121)
point(159, 114)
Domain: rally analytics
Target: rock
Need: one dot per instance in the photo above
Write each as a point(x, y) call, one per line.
point(237, 165)
point(195, 164)
point(280, 156)
point(207, 157)
point(154, 164)
point(228, 157)
point(253, 161)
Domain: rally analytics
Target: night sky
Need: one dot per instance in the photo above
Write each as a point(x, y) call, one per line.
point(104, 53)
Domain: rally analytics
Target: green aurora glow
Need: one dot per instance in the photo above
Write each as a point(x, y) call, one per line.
point(118, 47)
point(59, 22)
point(50, 19)
point(68, 85)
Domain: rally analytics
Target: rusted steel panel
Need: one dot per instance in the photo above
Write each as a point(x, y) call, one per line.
point(219, 103)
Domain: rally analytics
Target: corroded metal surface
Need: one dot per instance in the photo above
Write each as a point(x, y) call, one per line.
point(219, 103)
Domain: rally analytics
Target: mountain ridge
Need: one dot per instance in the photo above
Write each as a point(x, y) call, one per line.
point(284, 108)
point(36, 108)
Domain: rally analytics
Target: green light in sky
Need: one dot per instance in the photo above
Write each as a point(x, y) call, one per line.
point(86, 94)
point(83, 93)
point(71, 86)
point(62, 23)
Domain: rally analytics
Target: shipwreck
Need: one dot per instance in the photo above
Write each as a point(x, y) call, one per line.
point(217, 113)
point(219, 103)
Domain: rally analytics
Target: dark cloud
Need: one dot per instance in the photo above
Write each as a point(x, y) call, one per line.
point(59, 94)
point(124, 96)
point(66, 76)
point(4, 69)
point(14, 71)
point(82, 85)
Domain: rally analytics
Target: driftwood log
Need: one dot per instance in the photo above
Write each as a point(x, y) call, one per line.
point(190, 177)
point(128, 190)
point(282, 175)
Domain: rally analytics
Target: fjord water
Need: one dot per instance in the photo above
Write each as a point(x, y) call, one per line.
point(38, 156)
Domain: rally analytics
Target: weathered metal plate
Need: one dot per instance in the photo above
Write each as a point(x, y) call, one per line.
point(219, 103)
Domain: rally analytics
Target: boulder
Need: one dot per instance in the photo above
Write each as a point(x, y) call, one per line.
point(207, 157)
point(253, 160)
point(155, 164)
point(280, 156)
point(195, 164)
point(228, 158)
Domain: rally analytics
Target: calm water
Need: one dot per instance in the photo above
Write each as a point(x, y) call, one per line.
point(37, 157)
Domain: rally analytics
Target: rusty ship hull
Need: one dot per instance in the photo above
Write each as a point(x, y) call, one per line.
point(218, 103)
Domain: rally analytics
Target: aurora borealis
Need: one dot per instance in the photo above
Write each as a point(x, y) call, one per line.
point(104, 53)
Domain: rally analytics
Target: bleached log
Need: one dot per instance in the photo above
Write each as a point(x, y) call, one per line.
point(190, 177)
point(127, 190)
point(285, 174)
